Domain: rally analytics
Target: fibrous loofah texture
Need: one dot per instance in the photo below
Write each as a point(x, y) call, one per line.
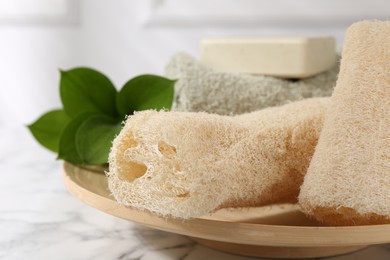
point(185, 165)
point(348, 181)
point(203, 89)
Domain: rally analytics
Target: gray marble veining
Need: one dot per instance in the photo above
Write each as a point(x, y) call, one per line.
point(40, 220)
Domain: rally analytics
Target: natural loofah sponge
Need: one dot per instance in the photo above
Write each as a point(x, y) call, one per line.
point(185, 165)
point(348, 182)
point(203, 89)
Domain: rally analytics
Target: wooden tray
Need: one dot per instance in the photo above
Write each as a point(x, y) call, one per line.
point(276, 231)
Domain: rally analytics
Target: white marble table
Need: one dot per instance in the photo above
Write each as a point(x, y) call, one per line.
point(40, 220)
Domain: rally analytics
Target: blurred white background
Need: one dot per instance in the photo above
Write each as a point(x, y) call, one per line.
point(125, 38)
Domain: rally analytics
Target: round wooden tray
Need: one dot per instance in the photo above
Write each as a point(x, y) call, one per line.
point(276, 231)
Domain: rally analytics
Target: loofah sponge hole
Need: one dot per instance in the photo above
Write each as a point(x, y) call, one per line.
point(169, 152)
point(180, 193)
point(166, 149)
point(133, 170)
point(137, 169)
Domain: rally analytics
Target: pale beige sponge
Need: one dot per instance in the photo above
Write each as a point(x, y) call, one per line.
point(287, 57)
point(348, 181)
point(186, 165)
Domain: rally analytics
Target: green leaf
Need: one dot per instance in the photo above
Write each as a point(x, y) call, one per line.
point(85, 90)
point(48, 128)
point(67, 149)
point(145, 92)
point(94, 138)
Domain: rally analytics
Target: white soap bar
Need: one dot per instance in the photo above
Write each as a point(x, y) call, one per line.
point(289, 57)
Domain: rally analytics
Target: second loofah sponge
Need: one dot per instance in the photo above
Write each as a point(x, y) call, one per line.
point(348, 182)
point(185, 165)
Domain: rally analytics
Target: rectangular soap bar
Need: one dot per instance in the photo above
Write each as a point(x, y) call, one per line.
point(287, 57)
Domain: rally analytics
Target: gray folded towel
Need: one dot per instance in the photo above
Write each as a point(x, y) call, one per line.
point(201, 88)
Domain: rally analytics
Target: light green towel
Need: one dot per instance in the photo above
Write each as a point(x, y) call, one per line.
point(201, 88)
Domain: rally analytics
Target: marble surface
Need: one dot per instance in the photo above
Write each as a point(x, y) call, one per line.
point(39, 219)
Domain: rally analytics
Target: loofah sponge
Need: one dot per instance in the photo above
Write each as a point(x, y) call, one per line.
point(203, 89)
point(185, 165)
point(348, 182)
